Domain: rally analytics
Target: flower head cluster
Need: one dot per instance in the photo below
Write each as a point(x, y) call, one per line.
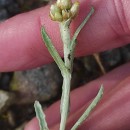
point(63, 10)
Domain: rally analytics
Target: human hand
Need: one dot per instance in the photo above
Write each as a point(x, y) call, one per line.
point(22, 48)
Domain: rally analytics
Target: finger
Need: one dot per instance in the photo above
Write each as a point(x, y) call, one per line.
point(81, 96)
point(21, 46)
point(112, 113)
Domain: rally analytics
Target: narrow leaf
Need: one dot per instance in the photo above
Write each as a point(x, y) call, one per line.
point(40, 116)
point(52, 50)
point(73, 41)
point(89, 109)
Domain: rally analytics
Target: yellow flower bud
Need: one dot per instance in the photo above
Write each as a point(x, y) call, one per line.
point(58, 3)
point(54, 8)
point(66, 15)
point(63, 10)
point(64, 4)
point(52, 16)
point(74, 9)
point(58, 17)
point(55, 13)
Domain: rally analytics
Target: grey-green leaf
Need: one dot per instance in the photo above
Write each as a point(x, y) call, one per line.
point(73, 42)
point(40, 116)
point(52, 50)
point(89, 109)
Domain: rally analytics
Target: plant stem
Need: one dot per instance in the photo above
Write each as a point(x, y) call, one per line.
point(69, 44)
point(65, 100)
point(65, 35)
point(69, 47)
point(98, 60)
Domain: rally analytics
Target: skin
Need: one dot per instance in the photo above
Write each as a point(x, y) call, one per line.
point(21, 48)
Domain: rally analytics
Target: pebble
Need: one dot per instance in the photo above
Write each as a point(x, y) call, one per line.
point(3, 14)
point(13, 9)
point(6, 99)
point(125, 52)
point(5, 79)
point(40, 84)
point(5, 2)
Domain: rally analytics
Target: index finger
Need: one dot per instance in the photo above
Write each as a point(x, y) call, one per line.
point(21, 46)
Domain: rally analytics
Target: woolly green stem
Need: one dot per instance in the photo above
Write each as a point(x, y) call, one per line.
point(66, 66)
point(64, 108)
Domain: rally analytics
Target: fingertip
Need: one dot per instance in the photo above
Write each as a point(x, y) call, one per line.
point(21, 45)
point(33, 125)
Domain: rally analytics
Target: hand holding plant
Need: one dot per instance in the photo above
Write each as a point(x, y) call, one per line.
point(26, 51)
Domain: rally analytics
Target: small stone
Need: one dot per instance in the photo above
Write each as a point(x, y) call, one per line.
point(13, 9)
point(5, 79)
point(5, 2)
point(125, 52)
point(3, 14)
point(6, 99)
point(40, 84)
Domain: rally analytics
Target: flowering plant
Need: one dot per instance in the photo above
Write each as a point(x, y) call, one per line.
point(64, 11)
